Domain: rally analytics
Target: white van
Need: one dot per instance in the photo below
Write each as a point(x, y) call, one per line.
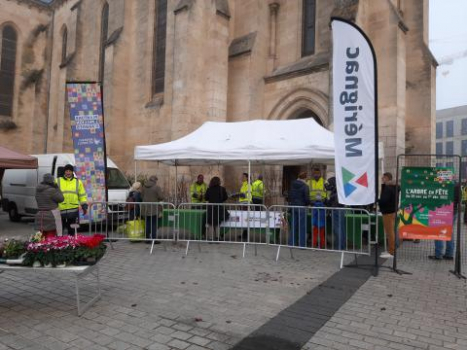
point(19, 185)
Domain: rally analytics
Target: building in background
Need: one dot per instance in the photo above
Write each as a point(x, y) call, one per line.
point(451, 135)
point(167, 66)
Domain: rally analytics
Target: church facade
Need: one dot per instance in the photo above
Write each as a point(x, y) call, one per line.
point(167, 66)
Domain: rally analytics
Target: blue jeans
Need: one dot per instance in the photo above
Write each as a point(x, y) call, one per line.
point(151, 226)
point(449, 244)
point(298, 227)
point(338, 229)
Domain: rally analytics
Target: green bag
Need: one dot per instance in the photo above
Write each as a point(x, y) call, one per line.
point(135, 229)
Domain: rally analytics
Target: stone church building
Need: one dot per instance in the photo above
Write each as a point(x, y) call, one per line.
point(169, 65)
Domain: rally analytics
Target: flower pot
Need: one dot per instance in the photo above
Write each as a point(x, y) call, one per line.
point(48, 265)
point(36, 264)
point(61, 265)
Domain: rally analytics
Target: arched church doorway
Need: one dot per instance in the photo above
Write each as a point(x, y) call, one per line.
point(290, 173)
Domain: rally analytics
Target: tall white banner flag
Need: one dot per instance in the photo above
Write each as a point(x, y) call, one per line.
point(355, 120)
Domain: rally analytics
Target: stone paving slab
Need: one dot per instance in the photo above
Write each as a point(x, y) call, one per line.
point(425, 310)
point(210, 299)
point(213, 299)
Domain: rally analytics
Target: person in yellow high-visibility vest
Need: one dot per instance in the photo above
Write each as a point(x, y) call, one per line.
point(317, 187)
point(464, 193)
point(198, 190)
point(245, 198)
point(74, 196)
point(257, 190)
point(245, 190)
point(318, 197)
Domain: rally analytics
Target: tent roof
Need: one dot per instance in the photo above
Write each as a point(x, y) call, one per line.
point(13, 160)
point(278, 142)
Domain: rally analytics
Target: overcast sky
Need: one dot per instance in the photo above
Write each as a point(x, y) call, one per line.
point(448, 39)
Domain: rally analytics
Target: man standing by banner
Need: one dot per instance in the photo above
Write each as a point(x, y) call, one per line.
point(74, 195)
point(387, 205)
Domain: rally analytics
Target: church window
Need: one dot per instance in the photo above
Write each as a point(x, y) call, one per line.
point(159, 43)
point(104, 34)
point(9, 40)
point(64, 43)
point(308, 27)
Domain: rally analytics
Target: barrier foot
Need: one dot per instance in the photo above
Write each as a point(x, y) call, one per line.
point(244, 249)
point(401, 272)
point(356, 262)
point(457, 274)
point(187, 247)
point(342, 260)
point(291, 254)
point(152, 246)
point(278, 252)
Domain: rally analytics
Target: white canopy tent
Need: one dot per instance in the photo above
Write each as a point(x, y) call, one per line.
point(270, 142)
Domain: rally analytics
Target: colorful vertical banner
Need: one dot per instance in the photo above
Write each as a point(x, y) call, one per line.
point(87, 127)
point(427, 203)
point(355, 117)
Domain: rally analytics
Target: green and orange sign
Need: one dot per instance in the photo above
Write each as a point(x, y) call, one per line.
point(426, 210)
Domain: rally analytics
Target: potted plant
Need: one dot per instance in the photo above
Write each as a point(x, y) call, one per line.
point(13, 249)
point(65, 250)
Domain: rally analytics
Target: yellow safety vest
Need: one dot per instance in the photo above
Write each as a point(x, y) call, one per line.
point(246, 189)
point(257, 189)
point(464, 194)
point(73, 192)
point(200, 190)
point(317, 190)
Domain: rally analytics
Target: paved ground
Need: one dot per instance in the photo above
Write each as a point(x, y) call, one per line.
point(214, 299)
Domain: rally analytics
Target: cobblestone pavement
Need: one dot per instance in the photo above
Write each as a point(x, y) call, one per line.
point(425, 310)
point(212, 299)
point(207, 300)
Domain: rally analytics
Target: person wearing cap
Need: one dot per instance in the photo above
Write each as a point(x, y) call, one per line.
point(198, 190)
point(74, 196)
point(151, 193)
point(257, 190)
point(48, 197)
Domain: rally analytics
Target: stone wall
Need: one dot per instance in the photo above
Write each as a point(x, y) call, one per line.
point(226, 60)
point(26, 130)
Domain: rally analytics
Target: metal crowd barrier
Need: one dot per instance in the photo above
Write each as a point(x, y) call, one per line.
point(342, 230)
point(223, 223)
point(133, 221)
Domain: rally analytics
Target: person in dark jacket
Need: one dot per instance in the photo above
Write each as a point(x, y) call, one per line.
point(48, 196)
point(299, 196)
point(151, 193)
point(387, 205)
point(133, 200)
point(338, 215)
point(216, 214)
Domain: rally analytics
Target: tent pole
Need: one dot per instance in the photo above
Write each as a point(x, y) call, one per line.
point(249, 196)
point(176, 176)
point(136, 176)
